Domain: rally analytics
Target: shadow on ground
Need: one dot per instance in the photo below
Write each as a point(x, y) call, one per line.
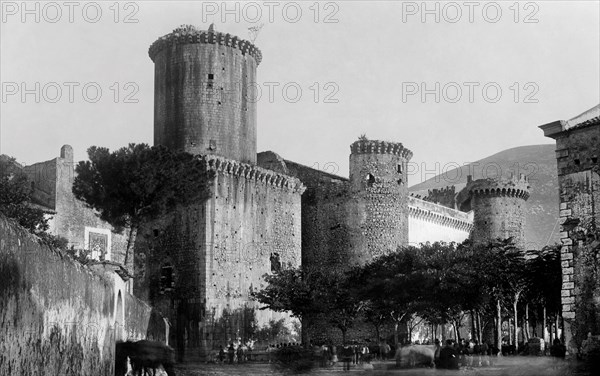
point(509, 366)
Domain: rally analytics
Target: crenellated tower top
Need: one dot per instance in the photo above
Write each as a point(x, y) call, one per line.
point(186, 34)
point(499, 207)
point(380, 147)
point(513, 187)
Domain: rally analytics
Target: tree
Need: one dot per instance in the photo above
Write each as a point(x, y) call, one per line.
point(502, 265)
point(15, 197)
point(137, 183)
point(392, 286)
point(544, 281)
point(342, 304)
point(300, 292)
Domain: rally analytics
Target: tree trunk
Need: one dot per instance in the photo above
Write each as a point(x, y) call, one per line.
point(516, 321)
point(479, 328)
point(456, 332)
point(377, 331)
point(396, 334)
point(510, 331)
point(130, 241)
point(304, 333)
point(473, 329)
point(499, 327)
point(527, 321)
point(544, 323)
point(343, 336)
point(556, 326)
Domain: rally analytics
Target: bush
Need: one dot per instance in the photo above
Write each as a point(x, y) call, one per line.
point(294, 359)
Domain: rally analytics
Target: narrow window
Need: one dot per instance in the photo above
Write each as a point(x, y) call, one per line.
point(275, 262)
point(370, 180)
point(211, 76)
point(155, 232)
point(166, 278)
point(400, 168)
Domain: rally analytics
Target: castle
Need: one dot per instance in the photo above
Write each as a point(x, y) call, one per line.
point(199, 264)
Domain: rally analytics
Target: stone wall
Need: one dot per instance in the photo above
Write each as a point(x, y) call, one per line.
point(205, 93)
point(326, 235)
point(203, 261)
point(443, 196)
point(499, 208)
point(430, 222)
point(58, 317)
point(577, 153)
point(71, 219)
point(378, 202)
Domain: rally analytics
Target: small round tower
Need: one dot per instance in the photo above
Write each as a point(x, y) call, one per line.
point(379, 198)
point(205, 93)
point(499, 209)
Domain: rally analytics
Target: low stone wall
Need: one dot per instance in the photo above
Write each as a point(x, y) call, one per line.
point(58, 317)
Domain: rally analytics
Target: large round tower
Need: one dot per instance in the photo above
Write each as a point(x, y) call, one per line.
point(205, 93)
point(379, 198)
point(499, 209)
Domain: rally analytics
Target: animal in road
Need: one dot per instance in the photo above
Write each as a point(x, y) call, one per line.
point(146, 358)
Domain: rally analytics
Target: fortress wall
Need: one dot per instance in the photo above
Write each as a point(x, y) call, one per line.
point(60, 317)
point(249, 222)
point(219, 251)
point(429, 222)
point(325, 232)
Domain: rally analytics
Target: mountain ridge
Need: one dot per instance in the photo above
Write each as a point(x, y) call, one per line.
point(538, 163)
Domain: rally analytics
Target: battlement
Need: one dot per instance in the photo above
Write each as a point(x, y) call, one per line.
point(443, 196)
point(513, 187)
point(440, 214)
point(226, 166)
point(380, 147)
point(189, 34)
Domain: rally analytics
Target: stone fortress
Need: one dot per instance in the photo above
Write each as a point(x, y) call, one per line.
point(190, 280)
point(199, 265)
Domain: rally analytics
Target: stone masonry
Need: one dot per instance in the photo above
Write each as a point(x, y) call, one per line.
point(499, 209)
point(577, 152)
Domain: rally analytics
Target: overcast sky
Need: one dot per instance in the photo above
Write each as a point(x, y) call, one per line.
point(364, 63)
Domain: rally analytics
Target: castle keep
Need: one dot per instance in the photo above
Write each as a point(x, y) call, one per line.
point(202, 262)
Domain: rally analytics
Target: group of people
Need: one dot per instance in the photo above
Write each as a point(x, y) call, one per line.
point(464, 353)
point(350, 354)
point(472, 354)
point(235, 352)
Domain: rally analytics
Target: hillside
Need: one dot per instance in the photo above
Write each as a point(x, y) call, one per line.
point(538, 163)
